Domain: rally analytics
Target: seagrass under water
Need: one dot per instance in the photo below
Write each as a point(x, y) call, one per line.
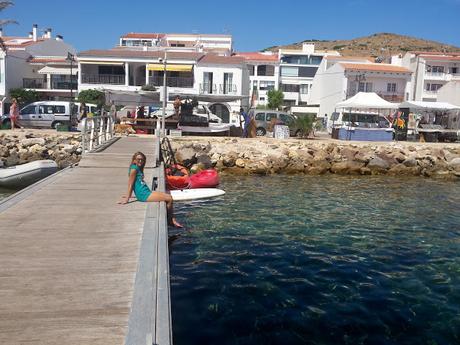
point(319, 260)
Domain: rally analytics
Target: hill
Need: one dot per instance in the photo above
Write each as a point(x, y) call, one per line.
point(377, 45)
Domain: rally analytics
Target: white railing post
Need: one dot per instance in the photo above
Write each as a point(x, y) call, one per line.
point(96, 131)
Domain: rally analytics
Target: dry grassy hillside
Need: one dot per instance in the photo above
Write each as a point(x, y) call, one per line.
point(378, 45)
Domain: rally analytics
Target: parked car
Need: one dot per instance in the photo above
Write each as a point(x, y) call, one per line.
point(264, 117)
point(48, 114)
point(357, 119)
point(200, 110)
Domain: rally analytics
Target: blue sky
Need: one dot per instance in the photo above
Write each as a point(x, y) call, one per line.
point(254, 24)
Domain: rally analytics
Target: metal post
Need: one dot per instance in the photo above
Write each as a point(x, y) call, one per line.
point(165, 93)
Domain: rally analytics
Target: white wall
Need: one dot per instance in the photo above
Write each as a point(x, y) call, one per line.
point(450, 93)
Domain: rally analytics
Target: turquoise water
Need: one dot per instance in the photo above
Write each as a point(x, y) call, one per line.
point(319, 260)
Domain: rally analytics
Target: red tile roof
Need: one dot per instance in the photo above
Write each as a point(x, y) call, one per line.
point(222, 60)
point(438, 57)
point(435, 53)
point(258, 56)
point(48, 60)
point(12, 41)
point(125, 53)
point(375, 67)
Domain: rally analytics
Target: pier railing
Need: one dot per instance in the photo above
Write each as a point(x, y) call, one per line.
point(96, 131)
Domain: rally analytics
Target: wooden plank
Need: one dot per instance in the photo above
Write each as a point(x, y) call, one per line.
point(69, 254)
point(163, 310)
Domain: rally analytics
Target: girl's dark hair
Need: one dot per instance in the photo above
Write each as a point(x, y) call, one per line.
point(134, 159)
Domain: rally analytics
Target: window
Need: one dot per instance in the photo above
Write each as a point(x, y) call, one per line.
point(228, 83)
point(432, 87)
point(286, 118)
point(59, 109)
point(266, 70)
point(290, 88)
point(289, 71)
point(118, 70)
point(308, 72)
point(315, 60)
point(260, 117)
point(28, 110)
point(207, 82)
point(267, 85)
point(453, 70)
point(270, 116)
point(391, 87)
point(365, 87)
point(304, 89)
point(262, 99)
point(251, 69)
point(437, 69)
point(46, 109)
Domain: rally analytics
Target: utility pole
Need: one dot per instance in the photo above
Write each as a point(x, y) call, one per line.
point(165, 94)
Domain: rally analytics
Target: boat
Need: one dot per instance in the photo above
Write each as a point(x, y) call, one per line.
point(177, 177)
point(194, 194)
point(208, 178)
point(23, 175)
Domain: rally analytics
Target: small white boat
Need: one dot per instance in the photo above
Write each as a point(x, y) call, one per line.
point(23, 175)
point(198, 193)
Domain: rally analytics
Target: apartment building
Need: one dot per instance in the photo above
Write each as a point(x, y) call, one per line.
point(431, 71)
point(219, 44)
point(218, 80)
point(263, 69)
point(37, 62)
point(298, 68)
point(347, 76)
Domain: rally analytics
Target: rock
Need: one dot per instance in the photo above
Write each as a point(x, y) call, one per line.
point(347, 167)
point(318, 167)
point(186, 156)
point(410, 162)
point(454, 164)
point(205, 161)
point(378, 165)
point(240, 163)
point(32, 141)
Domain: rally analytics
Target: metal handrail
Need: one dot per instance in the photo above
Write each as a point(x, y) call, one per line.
point(96, 131)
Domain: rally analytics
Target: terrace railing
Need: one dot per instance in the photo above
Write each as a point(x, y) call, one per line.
point(33, 83)
point(185, 82)
point(112, 79)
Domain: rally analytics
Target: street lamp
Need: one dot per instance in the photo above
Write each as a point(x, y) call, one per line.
point(165, 94)
point(71, 59)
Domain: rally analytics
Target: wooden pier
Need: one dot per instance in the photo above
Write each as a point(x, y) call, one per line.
point(78, 268)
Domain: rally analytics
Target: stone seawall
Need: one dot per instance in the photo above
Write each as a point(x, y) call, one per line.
point(22, 146)
point(295, 156)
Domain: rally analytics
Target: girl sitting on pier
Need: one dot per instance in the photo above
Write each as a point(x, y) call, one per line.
point(142, 191)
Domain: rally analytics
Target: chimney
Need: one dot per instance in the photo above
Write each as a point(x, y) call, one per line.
point(308, 47)
point(34, 32)
point(59, 38)
point(48, 33)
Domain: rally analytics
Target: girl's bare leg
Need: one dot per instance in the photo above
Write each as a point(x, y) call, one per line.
point(160, 196)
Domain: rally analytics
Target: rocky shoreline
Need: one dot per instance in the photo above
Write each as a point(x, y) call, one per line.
point(261, 156)
point(22, 146)
point(264, 156)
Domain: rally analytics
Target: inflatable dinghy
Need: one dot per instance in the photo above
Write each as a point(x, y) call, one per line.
point(21, 176)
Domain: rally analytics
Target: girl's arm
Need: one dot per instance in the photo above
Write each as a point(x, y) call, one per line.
point(131, 180)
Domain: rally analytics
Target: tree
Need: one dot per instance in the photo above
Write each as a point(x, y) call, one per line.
point(3, 22)
point(24, 96)
point(92, 96)
point(275, 99)
point(303, 125)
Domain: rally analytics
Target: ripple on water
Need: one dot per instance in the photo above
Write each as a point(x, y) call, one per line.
point(319, 260)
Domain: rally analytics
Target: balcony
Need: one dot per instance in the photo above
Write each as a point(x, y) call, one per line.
point(33, 83)
point(221, 89)
point(111, 79)
point(438, 76)
point(184, 82)
point(391, 97)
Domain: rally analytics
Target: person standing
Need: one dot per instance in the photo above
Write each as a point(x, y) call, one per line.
point(83, 112)
point(246, 119)
point(14, 113)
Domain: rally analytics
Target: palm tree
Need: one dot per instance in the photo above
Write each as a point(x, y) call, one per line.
point(3, 22)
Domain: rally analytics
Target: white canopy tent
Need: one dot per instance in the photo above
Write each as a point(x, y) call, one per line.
point(419, 105)
point(366, 100)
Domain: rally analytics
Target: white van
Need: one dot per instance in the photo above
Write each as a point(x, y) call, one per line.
point(48, 114)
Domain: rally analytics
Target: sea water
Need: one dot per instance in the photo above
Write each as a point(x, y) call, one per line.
point(319, 260)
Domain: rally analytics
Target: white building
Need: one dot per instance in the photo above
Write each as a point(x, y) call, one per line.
point(297, 70)
point(431, 71)
point(220, 81)
point(263, 75)
point(347, 76)
point(220, 44)
point(37, 63)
